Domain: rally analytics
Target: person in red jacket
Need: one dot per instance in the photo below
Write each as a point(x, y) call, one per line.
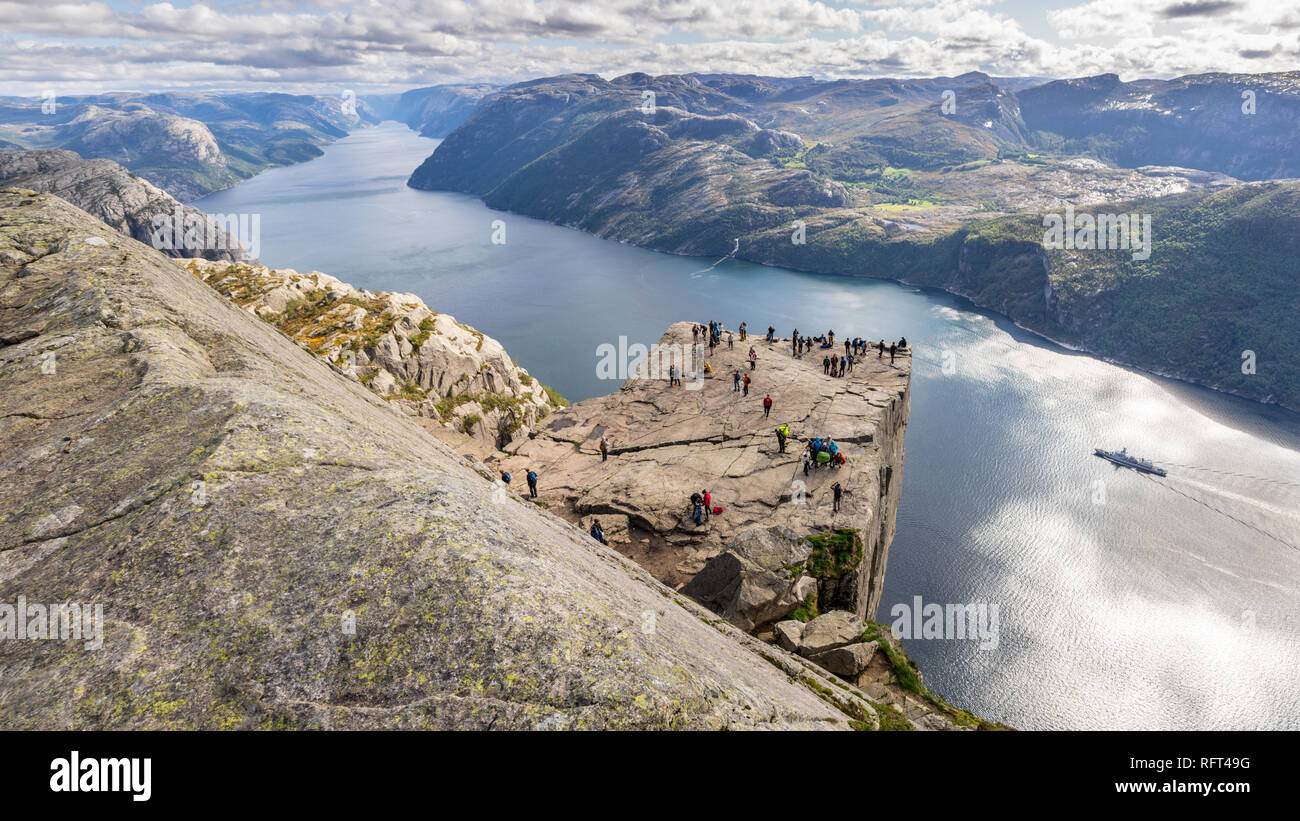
point(767, 405)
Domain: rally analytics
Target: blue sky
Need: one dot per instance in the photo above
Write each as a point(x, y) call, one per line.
point(89, 47)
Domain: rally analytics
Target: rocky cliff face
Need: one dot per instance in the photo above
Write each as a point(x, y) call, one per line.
point(275, 546)
point(667, 443)
point(426, 363)
point(108, 191)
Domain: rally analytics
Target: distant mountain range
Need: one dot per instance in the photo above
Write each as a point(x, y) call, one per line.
point(188, 144)
point(435, 111)
point(945, 182)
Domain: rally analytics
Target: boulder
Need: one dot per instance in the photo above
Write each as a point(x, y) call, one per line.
point(828, 631)
point(757, 578)
point(849, 660)
point(787, 634)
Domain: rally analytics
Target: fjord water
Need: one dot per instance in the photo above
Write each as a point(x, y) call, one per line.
point(1124, 601)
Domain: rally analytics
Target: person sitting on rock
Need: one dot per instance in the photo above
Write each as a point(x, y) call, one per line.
point(597, 532)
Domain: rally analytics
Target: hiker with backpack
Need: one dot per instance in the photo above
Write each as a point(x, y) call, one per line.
point(745, 386)
point(782, 433)
point(597, 532)
point(532, 483)
point(604, 448)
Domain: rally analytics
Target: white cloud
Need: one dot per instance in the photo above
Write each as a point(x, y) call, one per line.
point(369, 44)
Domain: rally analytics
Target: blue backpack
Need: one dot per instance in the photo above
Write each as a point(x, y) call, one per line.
point(505, 477)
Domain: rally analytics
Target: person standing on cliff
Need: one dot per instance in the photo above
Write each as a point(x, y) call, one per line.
point(532, 483)
point(731, 341)
point(753, 358)
point(881, 347)
point(708, 505)
point(807, 459)
point(782, 433)
point(604, 447)
point(838, 492)
point(767, 405)
point(745, 384)
point(735, 380)
point(597, 532)
point(826, 365)
point(892, 350)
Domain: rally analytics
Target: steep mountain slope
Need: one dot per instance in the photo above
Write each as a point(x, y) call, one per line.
point(126, 202)
point(422, 361)
point(273, 545)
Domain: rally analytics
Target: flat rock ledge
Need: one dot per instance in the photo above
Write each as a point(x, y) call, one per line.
point(669, 442)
